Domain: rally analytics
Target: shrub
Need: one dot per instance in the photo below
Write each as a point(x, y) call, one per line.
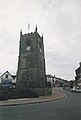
point(3, 97)
point(6, 94)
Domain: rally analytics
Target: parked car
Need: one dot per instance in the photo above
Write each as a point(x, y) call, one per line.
point(77, 90)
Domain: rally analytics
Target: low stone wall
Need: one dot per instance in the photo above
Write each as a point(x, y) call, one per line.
point(47, 91)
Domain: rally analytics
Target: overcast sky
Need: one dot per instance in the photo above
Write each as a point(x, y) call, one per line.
point(60, 23)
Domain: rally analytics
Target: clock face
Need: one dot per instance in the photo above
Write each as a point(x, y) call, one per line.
point(28, 48)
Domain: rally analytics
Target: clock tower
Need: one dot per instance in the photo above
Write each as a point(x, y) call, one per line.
point(31, 63)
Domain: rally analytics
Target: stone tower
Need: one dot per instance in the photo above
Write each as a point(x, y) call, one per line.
point(31, 63)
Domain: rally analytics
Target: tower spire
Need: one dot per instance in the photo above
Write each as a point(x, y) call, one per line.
point(21, 31)
point(36, 28)
point(42, 35)
point(28, 26)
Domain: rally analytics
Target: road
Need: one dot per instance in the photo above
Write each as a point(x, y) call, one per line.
point(65, 109)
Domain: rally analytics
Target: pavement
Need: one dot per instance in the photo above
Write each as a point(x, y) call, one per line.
point(56, 95)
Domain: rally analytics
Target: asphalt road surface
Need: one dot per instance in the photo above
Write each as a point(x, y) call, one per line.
point(65, 109)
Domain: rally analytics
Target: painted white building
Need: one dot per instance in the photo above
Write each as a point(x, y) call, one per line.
point(55, 81)
point(7, 80)
point(51, 79)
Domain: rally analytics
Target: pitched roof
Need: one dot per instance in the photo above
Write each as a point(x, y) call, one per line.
point(13, 76)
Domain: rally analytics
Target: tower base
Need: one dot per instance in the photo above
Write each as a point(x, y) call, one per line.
point(42, 91)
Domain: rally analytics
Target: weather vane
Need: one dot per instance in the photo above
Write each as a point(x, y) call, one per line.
point(28, 26)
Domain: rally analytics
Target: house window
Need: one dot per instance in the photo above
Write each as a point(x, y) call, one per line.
point(6, 76)
point(1, 79)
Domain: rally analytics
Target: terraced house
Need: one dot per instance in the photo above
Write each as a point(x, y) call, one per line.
point(78, 76)
point(7, 80)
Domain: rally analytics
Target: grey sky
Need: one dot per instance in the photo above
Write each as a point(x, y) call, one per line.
point(58, 20)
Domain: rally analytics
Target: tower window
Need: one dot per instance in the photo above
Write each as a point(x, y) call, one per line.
point(6, 76)
point(28, 42)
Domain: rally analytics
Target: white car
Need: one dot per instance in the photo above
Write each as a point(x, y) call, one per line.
point(76, 90)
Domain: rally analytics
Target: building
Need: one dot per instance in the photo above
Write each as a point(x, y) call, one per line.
point(7, 80)
point(61, 82)
point(57, 82)
point(31, 72)
point(78, 76)
point(51, 80)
